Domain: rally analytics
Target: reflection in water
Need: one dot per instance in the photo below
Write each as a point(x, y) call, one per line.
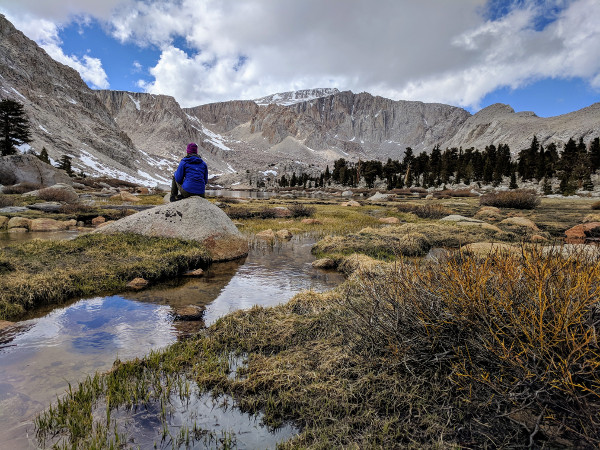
point(39, 357)
point(8, 238)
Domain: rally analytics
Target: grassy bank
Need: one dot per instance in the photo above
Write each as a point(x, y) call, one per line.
point(37, 273)
point(494, 352)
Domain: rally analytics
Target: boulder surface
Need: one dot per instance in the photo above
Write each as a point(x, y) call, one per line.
point(194, 219)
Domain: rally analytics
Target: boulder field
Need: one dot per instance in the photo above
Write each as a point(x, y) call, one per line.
point(193, 218)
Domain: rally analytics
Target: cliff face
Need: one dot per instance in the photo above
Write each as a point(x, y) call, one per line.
point(499, 123)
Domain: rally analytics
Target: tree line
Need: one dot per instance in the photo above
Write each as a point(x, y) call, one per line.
point(573, 167)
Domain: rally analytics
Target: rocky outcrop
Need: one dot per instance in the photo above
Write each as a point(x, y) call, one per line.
point(16, 169)
point(194, 219)
point(225, 116)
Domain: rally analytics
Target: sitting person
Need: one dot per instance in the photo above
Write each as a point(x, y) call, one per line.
point(190, 177)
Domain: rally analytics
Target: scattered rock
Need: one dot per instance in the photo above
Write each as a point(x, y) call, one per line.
point(125, 196)
point(103, 224)
point(13, 209)
point(520, 222)
point(347, 194)
point(193, 218)
point(267, 235)
point(47, 225)
point(137, 283)
point(98, 220)
point(194, 273)
point(284, 234)
point(18, 222)
point(389, 220)
point(352, 203)
point(576, 234)
point(324, 263)
point(30, 169)
point(189, 313)
point(282, 211)
point(79, 185)
point(577, 251)
point(379, 196)
point(5, 324)
point(459, 218)
point(48, 207)
point(429, 197)
point(311, 221)
point(18, 230)
point(142, 190)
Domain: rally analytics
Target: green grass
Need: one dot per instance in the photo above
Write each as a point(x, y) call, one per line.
point(37, 272)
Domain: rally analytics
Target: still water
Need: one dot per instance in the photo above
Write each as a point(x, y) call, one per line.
point(40, 356)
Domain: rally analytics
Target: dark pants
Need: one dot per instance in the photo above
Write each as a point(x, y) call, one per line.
point(177, 192)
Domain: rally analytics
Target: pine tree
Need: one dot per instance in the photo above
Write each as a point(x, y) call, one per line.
point(14, 127)
point(43, 156)
point(513, 181)
point(65, 164)
point(546, 186)
point(595, 154)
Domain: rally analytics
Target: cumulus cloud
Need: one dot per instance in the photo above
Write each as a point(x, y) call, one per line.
point(45, 33)
point(430, 50)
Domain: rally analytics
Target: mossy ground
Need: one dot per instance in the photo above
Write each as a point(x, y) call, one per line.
point(37, 273)
point(470, 352)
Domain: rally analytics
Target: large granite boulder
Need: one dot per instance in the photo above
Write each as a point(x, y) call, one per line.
point(193, 218)
point(30, 169)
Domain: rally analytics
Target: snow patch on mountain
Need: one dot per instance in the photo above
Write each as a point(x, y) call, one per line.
point(293, 97)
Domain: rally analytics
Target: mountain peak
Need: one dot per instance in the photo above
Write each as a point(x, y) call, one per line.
point(293, 97)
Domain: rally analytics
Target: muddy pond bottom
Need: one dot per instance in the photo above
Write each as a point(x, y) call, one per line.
point(41, 356)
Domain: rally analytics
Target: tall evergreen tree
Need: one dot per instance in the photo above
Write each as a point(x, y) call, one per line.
point(595, 154)
point(14, 127)
point(43, 156)
point(65, 164)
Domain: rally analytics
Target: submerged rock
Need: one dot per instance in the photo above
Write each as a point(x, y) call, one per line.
point(194, 219)
point(137, 283)
point(191, 313)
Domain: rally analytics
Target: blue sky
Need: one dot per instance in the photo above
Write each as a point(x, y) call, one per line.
point(536, 55)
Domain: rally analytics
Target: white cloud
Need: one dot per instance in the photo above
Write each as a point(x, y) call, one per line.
point(45, 33)
point(430, 50)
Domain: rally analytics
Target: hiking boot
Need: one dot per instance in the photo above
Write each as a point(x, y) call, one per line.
point(173, 199)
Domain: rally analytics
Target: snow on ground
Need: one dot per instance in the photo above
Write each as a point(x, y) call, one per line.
point(70, 100)
point(270, 172)
point(231, 169)
point(214, 175)
point(44, 130)
point(215, 139)
point(96, 166)
point(23, 148)
point(135, 102)
point(18, 93)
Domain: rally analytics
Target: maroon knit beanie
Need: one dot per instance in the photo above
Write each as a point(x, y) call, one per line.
point(192, 148)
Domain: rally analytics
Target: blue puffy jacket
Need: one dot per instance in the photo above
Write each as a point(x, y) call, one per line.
point(192, 174)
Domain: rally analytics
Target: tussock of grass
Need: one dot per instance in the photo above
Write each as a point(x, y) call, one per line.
point(407, 240)
point(47, 272)
point(493, 352)
point(519, 199)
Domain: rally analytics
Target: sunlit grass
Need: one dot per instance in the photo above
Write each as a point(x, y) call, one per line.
point(46, 272)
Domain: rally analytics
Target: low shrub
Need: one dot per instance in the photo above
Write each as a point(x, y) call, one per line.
point(57, 195)
point(237, 212)
point(596, 205)
point(21, 188)
point(5, 200)
point(425, 211)
point(301, 210)
point(518, 199)
point(454, 193)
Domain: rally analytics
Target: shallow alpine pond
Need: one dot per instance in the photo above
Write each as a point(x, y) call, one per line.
point(40, 357)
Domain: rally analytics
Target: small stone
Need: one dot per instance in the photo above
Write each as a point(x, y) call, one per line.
point(191, 313)
point(5, 324)
point(98, 220)
point(284, 234)
point(324, 263)
point(389, 220)
point(18, 222)
point(194, 273)
point(268, 235)
point(18, 230)
point(351, 203)
point(47, 225)
point(137, 283)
